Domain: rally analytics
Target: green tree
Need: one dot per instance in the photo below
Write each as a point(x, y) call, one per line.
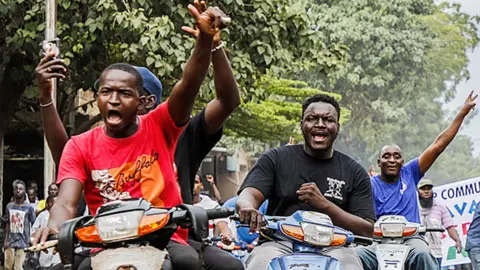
point(404, 58)
point(276, 117)
point(147, 33)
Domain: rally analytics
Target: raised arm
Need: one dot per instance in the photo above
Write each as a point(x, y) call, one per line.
point(428, 157)
point(183, 94)
point(227, 95)
point(65, 208)
point(55, 133)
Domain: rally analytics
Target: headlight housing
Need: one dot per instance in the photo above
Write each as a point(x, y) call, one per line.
point(318, 235)
point(392, 229)
point(119, 226)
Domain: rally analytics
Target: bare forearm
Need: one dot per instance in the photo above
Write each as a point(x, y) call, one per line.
point(248, 200)
point(59, 214)
point(444, 139)
point(216, 193)
point(355, 224)
point(226, 88)
point(183, 94)
point(55, 133)
point(453, 234)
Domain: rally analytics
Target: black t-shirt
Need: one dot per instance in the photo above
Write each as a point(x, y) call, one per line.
point(280, 172)
point(192, 147)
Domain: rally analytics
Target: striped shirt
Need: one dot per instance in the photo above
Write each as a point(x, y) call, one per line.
point(437, 216)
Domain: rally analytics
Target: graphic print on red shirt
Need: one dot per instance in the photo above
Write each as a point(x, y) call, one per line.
point(139, 166)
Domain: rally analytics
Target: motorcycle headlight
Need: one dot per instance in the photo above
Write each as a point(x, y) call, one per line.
point(392, 229)
point(317, 235)
point(119, 226)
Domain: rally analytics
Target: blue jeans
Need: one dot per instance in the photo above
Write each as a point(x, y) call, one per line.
point(474, 254)
point(419, 256)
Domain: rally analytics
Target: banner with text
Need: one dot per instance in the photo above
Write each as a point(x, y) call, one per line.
point(461, 200)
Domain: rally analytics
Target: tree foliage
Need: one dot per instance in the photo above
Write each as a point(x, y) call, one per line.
point(277, 117)
point(265, 35)
point(404, 58)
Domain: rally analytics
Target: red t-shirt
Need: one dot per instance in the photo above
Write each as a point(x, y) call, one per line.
point(139, 166)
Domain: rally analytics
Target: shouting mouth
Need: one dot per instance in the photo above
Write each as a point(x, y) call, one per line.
point(114, 117)
point(319, 137)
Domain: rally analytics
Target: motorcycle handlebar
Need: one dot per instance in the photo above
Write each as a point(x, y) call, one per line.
point(434, 230)
point(220, 213)
point(362, 240)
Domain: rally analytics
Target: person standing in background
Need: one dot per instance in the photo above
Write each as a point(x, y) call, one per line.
point(20, 217)
point(433, 215)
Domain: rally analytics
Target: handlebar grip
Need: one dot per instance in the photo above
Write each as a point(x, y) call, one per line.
point(220, 213)
point(434, 230)
point(362, 240)
point(52, 237)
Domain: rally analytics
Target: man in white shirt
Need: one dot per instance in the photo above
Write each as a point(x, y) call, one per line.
point(49, 259)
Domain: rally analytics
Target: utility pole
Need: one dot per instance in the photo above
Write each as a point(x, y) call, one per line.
point(51, 42)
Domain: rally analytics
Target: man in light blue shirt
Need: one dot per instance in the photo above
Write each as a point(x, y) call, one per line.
point(395, 190)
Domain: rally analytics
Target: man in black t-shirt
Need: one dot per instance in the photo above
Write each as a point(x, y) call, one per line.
point(311, 177)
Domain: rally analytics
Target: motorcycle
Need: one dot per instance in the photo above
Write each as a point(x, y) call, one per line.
point(391, 232)
point(132, 234)
point(309, 232)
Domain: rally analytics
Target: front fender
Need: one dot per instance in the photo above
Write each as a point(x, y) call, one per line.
point(299, 261)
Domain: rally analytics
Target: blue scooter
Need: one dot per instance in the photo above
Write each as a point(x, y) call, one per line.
point(309, 232)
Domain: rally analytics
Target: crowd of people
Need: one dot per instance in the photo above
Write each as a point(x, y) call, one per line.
point(146, 148)
point(24, 215)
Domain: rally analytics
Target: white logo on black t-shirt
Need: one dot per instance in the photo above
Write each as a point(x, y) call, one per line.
point(334, 188)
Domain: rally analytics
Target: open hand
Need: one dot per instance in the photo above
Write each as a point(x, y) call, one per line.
point(469, 103)
point(39, 238)
point(47, 69)
point(209, 20)
point(310, 194)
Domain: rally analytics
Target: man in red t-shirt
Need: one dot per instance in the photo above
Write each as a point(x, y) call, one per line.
point(130, 156)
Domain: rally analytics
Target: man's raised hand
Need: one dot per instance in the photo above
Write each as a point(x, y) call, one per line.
point(47, 69)
point(469, 103)
point(208, 20)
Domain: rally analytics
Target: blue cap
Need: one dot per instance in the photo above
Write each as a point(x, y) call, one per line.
point(151, 83)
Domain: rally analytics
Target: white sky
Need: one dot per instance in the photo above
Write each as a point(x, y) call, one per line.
point(473, 129)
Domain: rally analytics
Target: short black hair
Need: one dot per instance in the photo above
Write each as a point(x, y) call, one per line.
point(18, 182)
point(52, 184)
point(321, 98)
point(129, 69)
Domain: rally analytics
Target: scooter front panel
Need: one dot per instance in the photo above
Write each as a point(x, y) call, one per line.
point(391, 256)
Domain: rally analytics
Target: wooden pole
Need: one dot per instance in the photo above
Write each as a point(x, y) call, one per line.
point(50, 41)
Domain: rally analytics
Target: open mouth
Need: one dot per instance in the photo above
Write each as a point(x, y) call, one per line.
point(114, 117)
point(319, 137)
